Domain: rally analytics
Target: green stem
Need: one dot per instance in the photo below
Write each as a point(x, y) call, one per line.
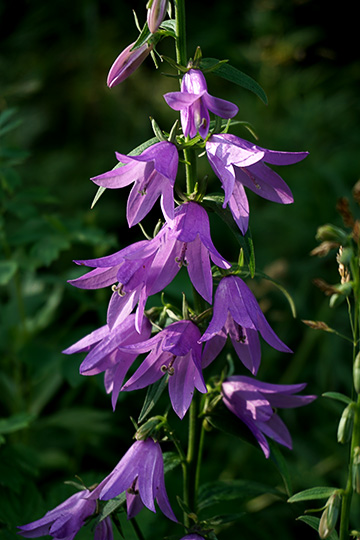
point(181, 54)
point(355, 439)
point(190, 169)
point(193, 457)
point(137, 529)
point(347, 495)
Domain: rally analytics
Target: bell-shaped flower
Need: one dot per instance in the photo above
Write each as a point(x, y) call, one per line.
point(255, 402)
point(236, 313)
point(65, 521)
point(105, 353)
point(239, 164)
point(193, 536)
point(153, 173)
point(194, 103)
point(127, 62)
point(175, 351)
point(147, 267)
point(140, 473)
point(156, 13)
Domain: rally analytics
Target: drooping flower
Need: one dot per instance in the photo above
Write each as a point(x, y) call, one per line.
point(153, 173)
point(65, 521)
point(237, 313)
point(156, 13)
point(176, 351)
point(105, 354)
point(239, 164)
point(147, 267)
point(127, 62)
point(254, 401)
point(140, 473)
point(194, 103)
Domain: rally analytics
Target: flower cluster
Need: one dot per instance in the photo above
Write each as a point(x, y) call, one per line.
point(178, 348)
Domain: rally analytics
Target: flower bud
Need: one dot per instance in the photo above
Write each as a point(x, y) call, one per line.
point(148, 429)
point(330, 515)
point(346, 424)
point(356, 470)
point(127, 62)
point(356, 373)
point(156, 13)
point(331, 233)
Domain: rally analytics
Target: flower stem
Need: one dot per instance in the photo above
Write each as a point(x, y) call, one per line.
point(355, 439)
point(193, 457)
point(137, 529)
point(181, 54)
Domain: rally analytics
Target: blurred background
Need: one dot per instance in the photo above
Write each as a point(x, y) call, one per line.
point(59, 126)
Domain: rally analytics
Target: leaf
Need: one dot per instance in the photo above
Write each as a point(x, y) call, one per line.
point(213, 493)
point(232, 74)
point(170, 27)
point(214, 202)
point(338, 397)
point(144, 35)
point(7, 271)
point(135, 152)
point(281, 288)
point(111, 506)
point(313, 522)
point(152, 396)
point(312, 494)
point(278, 459)
point(15, 422)
point(171, 461)
point(7, 123)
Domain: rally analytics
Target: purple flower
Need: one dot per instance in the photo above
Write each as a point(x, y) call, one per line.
point(192, 536)
point(156, 14)
point(127, 62)
point(153, 173)
point(254, 401)
point(237, 313)
point(147, 267)
point(140, 473)
point(176, 351)
point(65, 521)
point(105, 354)
point(239, 164)
point(194, 103)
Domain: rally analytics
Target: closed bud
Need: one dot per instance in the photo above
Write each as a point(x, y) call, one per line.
point(346, 424)
point(148, 429)
point(332, 234)
point(356, 373)
point(356, 470)
point(330, 515)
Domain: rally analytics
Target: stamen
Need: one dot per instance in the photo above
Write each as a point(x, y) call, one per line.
point(252, 178)
point(119, 289)
point(181, 258)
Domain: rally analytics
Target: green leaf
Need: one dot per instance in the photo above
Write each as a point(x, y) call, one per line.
point(281, 288)
point(312, 494)
point(338, 397)
point(152, 395)
point(234, 75)
point(111, 506)
point(216, 492)
point(313, 522)
point(171, 461)
point(214, 202)
point(7, 123)
point(15, 422)
point(170, 27)
point(7, 271)
point(278, 459)
point(144, 35)
point(135, 152)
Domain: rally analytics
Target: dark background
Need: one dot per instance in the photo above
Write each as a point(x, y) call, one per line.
point(54, 59)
